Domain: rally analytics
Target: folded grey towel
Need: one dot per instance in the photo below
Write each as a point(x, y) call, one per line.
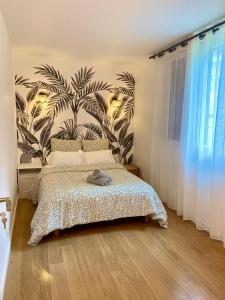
point(99, 181)
point(99, 174)
point(99, 178)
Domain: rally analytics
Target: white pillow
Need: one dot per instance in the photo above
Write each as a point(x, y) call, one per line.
point(98, 157)
point(66, 159)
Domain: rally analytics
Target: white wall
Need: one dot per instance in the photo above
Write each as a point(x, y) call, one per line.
point(144, 113)
point(8, 185)
point(25, 58)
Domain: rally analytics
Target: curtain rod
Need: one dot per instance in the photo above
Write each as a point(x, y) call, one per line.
point(184, 43)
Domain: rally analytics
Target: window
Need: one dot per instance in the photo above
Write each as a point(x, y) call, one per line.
point(209, 114)
point(176, 97)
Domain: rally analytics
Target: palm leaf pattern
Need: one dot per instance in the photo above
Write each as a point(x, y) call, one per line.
point(32, 93)
point(58, 103)
point(35, 124)
point(93, 127)
point(22, 116)
point(93, 87)
point(38, 124)
point(49, 87)
point(81, 79)
point(89, 135)
point(20, 102)
point(128, 79)
point(70, 130)
point(92, 109)
point(54, 77)
point(129, 109)
point(19, 80)
point(84, 88)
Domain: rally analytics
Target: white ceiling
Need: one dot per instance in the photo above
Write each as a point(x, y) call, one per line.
point(106, 27)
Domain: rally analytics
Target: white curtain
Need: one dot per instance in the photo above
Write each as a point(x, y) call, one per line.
point(188, 132)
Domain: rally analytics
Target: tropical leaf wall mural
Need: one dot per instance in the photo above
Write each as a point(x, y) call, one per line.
point(83, 98)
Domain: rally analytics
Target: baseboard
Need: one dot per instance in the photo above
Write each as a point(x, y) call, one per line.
point(8, 252)
point(5, 271)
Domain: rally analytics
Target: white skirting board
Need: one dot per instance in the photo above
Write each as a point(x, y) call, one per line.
point(5, 269)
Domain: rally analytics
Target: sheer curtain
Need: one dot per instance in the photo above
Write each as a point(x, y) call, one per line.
point(166, 125)
point(203, 136)
point(188, 132)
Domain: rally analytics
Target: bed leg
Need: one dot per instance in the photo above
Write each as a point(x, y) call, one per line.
point(56, 232)
point(146, 219)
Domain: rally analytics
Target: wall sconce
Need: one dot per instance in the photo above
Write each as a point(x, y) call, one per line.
point(116, 103)
point(42, 97)
point(41, 100)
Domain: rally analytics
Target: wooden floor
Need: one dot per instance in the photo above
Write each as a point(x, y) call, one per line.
point(125, 259)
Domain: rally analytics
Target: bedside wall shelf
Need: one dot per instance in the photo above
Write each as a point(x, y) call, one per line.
point(26, 175)
point(134, 169)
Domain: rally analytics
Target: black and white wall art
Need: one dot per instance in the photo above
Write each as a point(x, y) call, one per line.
point(82, 108)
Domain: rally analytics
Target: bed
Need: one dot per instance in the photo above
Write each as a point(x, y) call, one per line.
point(65, 199)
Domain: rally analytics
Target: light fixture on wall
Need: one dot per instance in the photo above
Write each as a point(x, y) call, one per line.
point(41, 100)
point(116, 103)
point(42, 97)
